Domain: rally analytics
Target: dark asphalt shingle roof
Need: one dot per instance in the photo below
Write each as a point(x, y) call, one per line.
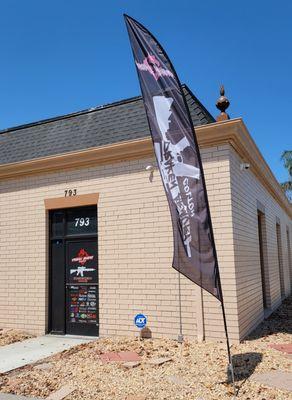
point(113, 123)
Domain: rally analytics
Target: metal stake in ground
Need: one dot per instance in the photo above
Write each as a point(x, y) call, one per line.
point(180, 337)
point(230, 365)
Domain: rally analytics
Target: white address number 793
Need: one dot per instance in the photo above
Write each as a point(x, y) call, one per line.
point(82, 221)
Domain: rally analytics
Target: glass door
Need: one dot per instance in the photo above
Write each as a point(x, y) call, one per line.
point(81, 287)
point(73, 301)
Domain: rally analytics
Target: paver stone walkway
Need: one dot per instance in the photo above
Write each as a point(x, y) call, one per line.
point(278, 379)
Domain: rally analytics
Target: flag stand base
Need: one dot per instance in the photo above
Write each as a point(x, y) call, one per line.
point(231, 370)
point(230, 365)
point(180, 338)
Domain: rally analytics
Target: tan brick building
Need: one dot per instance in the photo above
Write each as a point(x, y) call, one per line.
point(95, 160)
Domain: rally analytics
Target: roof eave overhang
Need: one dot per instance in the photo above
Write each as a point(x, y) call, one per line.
point(232, 131)
point(83, 158)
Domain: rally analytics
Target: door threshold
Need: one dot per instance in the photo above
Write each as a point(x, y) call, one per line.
point(73, 336)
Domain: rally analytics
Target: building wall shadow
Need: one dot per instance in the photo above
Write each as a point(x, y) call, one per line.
point(279, 321)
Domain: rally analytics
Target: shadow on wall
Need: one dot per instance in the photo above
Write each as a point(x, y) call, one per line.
point(278, 322)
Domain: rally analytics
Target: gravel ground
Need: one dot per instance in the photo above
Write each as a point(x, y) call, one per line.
point(8, 336)
point(197, 370)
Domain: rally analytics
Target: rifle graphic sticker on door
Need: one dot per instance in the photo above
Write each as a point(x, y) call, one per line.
point(81, 258)
point(82, 261)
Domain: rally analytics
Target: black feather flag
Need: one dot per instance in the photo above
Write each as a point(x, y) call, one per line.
point(178, 159)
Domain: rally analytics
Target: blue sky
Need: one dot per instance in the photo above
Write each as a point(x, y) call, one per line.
point(61, 56)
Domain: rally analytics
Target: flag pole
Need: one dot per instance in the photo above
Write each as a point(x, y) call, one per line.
point(180, 338)
point(143, 50)
point(230, 365)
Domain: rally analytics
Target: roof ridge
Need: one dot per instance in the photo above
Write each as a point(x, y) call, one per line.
point(70, 115)
point(206, 113)
point(121, 120)
point(77, 113)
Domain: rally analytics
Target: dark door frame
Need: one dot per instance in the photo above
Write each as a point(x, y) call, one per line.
point(64, 237)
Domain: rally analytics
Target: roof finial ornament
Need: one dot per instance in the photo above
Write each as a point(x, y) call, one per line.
point(222, 105)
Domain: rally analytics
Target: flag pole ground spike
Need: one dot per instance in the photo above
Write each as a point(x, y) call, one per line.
point(180, 337)
point(230, 365)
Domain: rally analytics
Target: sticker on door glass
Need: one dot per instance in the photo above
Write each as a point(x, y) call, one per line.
point(81, 268)
point(82, 304)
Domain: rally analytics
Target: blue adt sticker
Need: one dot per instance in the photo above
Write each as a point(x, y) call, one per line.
point(140, 320)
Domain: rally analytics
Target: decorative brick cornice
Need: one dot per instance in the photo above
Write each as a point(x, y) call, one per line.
point(236, 134)
point(84, 158)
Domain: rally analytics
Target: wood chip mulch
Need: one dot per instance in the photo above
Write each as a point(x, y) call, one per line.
point(9, 336)
point(195, 371)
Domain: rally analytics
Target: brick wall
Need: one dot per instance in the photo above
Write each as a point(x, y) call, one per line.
point(248, 195)
point(216, 162)
point(135, 249)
